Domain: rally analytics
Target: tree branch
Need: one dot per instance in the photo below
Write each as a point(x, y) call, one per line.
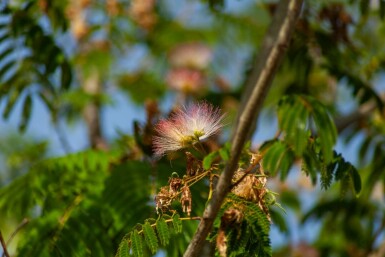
point(273, 48)
point(380, 252)
point(362, 113)
point(3, 245)
point(91, 85)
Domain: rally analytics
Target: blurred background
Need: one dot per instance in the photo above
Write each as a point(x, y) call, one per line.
point(82, 74)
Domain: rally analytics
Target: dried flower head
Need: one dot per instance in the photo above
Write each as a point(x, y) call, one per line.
point(167, 195)
point(186, 200)
point(193, 165)
point(163, 199)
point(174, 184)
point(231, 217)
point(186, 127)
point(252, 187)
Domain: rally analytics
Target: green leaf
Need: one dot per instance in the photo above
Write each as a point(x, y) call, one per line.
point(4, 37)
point(66, 75)
point(382, 9)
point(124, 248)
point(290, 198)
point(293, 116)
point(346, 173)
point(6, 52)
point(326, 129)
point(364, 6)
point(142, 86)
point(26, 113)
point(208, 160)
point(177, 223)
point(327, 175)
point(224, 152)
point(150, 237)
point(237, 240)
point(163, 231)
point(136, 244)
point(311, 162)
point(356, 180)
point(12, 99)
point(279, 221)
point(252, 235)
point(364, 148)
point(278, 157)
point(5, 68)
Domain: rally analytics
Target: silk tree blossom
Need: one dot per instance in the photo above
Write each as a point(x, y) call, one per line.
point(193, 55)
point(186, 80)
point(187, 126)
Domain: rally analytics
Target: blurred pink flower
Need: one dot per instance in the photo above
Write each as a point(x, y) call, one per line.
point(192, 55)
point(143, 13)
point(186, 127)
point(186, 80)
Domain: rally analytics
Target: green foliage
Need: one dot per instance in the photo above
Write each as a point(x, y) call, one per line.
point(293, 116)
point(348, 220)
point(150, 236)
point(222, 153)
point(296, 114)
point(151, 233)
point(18, 155)
point(38, 60)
point(124, 250)
point(137, 244)
point(142, 86)
point(176, 222)
point(365, 8)
point(278, 157)
point(343, 171)
point(60, 189)
point(215, 4)
point(83, 202)
point(251, 236)
point(209, 159)
point(163, 232)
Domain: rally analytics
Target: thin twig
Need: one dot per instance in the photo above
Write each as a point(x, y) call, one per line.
point(66, 215)
point(371, 252)
point(6, 254)
point(361, 113)
point(170, 220)
point(274, 45)
point(249, 170)
point(24, 222)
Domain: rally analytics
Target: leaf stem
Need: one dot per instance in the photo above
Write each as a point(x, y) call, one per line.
point(170, 220)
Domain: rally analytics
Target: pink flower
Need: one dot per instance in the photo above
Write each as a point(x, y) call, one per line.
point(186, 80)
point(186, 127)
point(192, 55)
